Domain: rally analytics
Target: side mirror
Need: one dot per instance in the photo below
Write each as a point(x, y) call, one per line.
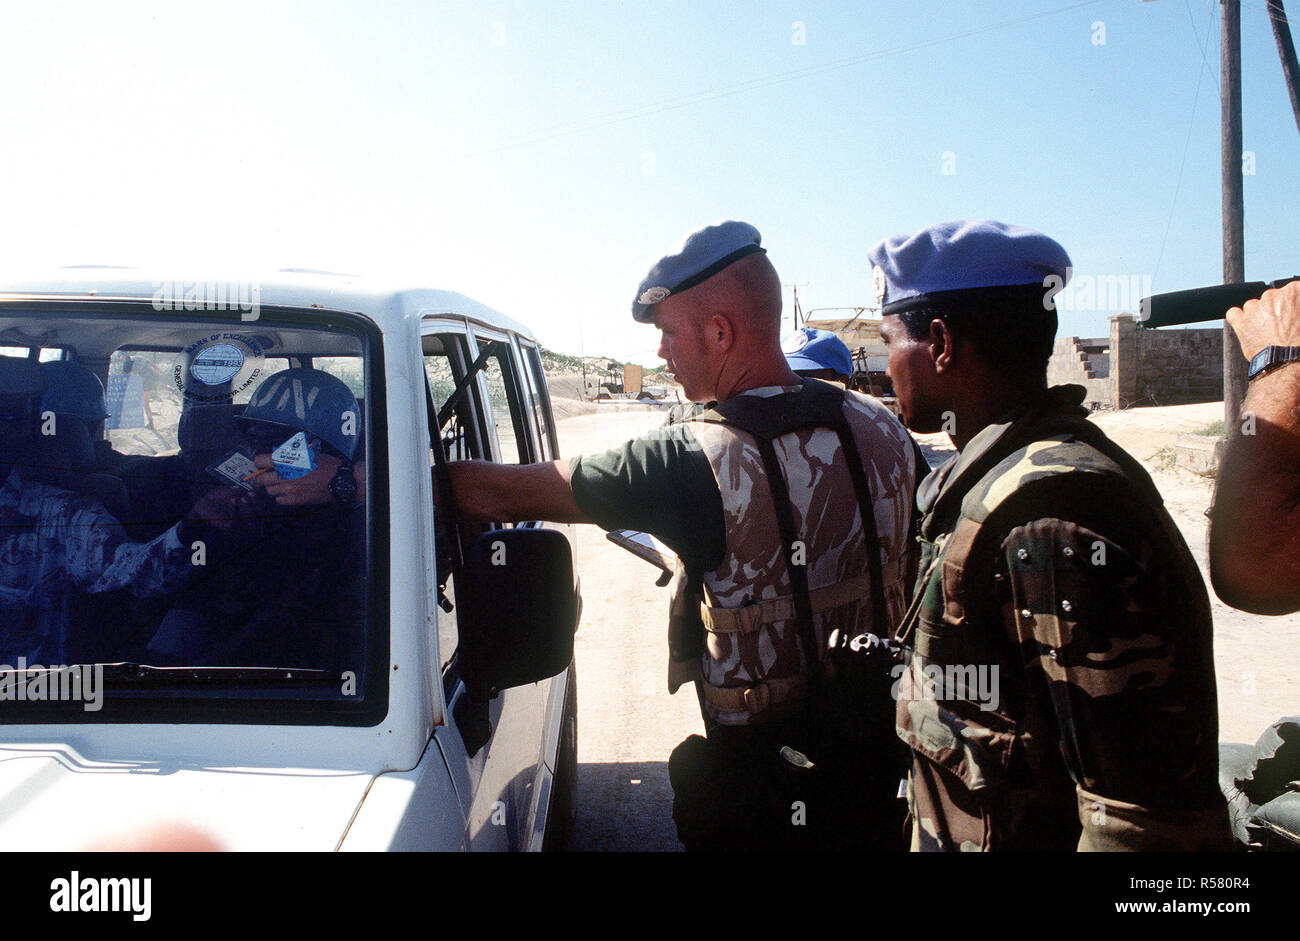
point(518, 609)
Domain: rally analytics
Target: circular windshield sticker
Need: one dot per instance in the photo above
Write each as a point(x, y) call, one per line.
point(220, 365)
point(217, 364)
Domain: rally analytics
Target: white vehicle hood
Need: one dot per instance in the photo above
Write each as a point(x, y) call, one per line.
point(54, 800)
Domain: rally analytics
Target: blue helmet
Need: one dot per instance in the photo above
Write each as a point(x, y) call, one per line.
point(304, 399)
point(72, 389)
point(814, 350)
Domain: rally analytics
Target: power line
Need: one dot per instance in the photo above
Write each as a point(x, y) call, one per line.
point(1199, 42)
point(1191, 124)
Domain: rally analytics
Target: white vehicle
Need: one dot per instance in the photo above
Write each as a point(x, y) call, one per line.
point(359, 672)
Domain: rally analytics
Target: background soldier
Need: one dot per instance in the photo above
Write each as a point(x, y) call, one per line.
point(819, 354)
point(1060, 689)
point(769, 521)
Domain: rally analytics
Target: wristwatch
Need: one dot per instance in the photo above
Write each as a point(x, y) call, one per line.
point(1271, 357)
point(343, 486)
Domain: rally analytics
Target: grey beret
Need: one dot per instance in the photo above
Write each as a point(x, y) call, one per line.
point(703, 254)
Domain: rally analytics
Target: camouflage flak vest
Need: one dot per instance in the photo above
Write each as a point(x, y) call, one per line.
point(754, 662)
point(988, 775)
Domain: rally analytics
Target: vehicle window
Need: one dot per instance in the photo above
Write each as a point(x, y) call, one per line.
point(139, 527)
point(540, 405)
point(506, 405)
point(445, 364)
point(350, 369)
point(43, 354)
point(144, 406)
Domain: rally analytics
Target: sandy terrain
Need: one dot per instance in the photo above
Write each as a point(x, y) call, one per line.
point(568, 397)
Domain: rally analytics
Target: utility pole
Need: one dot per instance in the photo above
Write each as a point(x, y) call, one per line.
point(1230, 156)
point(1286, 51)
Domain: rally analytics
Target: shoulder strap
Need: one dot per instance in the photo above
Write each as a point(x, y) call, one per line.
point(815, 404)
point(1063, 429)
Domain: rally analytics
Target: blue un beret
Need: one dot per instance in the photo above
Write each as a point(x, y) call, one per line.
point(702, 255)
point(812, 349)
point(910, 271)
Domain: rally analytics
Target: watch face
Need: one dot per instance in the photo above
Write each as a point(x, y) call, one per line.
point(343, 485)
point(1258, 362)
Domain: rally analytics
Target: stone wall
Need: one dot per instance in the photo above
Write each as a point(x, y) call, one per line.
point(1083, 363)
point(1166, 367)
point(1142, 367)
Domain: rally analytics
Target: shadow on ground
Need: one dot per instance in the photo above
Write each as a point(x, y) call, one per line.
point(624, 807)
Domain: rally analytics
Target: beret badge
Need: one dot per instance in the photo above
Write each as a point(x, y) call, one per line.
point(653, 295)
point(878, 282)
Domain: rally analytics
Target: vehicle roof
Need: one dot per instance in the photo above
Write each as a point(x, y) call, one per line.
point(386, 303)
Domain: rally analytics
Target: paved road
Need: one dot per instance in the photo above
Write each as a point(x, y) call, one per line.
point(627, 722)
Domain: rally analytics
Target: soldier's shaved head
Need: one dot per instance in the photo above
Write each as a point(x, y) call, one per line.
point(748, 292)
point(723, 335)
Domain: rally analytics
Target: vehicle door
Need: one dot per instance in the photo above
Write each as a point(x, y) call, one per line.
point(501, 781)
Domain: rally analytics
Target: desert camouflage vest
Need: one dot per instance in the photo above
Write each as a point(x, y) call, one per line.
point(985, 774)
point(771, 605)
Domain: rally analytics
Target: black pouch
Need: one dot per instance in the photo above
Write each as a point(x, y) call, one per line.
point(825, 780)
point(737, 792)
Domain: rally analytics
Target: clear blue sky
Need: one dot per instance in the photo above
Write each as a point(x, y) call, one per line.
point(538, 156)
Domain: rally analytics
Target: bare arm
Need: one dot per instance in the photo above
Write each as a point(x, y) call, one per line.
point(510, 492)
point(1255, 528)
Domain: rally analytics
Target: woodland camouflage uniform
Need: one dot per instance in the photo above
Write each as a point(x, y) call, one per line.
point(1051, 571)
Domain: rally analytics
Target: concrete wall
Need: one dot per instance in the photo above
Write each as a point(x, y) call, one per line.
point(1179, 366)
point(1145, 367)
point(1083, 363)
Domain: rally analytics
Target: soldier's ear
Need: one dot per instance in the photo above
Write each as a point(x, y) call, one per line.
point(720, 332)
point(941, 345)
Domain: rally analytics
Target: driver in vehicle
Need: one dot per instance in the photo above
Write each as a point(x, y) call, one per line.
point(289, 588)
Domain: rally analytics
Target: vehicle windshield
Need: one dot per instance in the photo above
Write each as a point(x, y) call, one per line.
point(179, 491)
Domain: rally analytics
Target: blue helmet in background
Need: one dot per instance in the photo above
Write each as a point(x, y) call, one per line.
point(813, 350)
point(72, 389)
point(304, 399)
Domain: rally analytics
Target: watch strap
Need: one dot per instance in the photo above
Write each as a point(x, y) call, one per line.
point(343, 486)
point(1270, 358)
